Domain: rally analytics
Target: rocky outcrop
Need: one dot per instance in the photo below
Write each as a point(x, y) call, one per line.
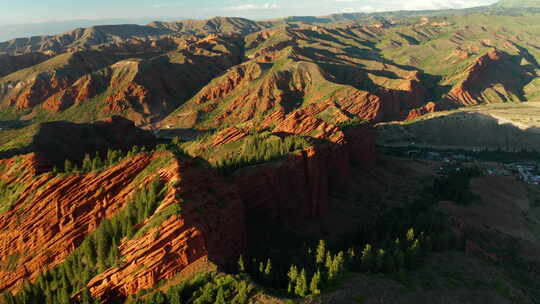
point(467, 92)
point(237, 76)
point(211, 227)
point(297, 189)
point(303, 124)
point(430, 107)
point(52, 215)
point(227, 136)
point(494, 77)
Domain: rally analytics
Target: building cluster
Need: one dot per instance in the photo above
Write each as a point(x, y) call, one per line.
point(446, 157)
point(527, 171)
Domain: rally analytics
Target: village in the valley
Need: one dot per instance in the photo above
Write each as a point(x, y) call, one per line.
point(525, 170)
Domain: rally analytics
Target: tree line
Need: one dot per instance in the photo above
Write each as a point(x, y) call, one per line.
point(260, 148)
point(97, 162)
point(396, 242)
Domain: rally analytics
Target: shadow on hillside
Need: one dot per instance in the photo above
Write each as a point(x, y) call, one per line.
point(350, 72)
point(510, 72)
point(184, 134)
point(54, 142)
point(13, 124)
point(467, 130)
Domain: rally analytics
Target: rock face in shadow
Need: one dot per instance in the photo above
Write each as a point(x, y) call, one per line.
point(297, 189)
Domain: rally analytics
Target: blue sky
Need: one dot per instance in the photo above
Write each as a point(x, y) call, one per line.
point(31, 11)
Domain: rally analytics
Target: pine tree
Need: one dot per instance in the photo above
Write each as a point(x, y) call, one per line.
point(268, 268)
point(113, 253)
point(96, 162)
point(321, 253)
point(241, 264)
point(301, 284)
point(328, 262)
point(89, 251)
point(410, 235)
point(314, 286)
point(367, 258)
point(261, 268)
point(292, 275)
point(351, 253)
point(68, 166)
point(102, 247)
point(87, 163)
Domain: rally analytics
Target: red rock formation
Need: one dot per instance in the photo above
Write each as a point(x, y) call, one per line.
point(210, 227)
point(296, 189)
point(227, 136)
point(430, 107)
point(483, 75)
point(60, 211)
point(304, 124)
point(57, 213)
point(236, 77)
point(39, 90)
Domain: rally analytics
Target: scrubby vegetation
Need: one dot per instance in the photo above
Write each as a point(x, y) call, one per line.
point(351, 123)
point(98, 252)
point(205, 288)
point(260, 148)
point(9, 193)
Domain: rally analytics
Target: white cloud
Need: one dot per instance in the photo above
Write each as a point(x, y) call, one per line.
point(360, 9)
point(349, 6)
point(246, 7)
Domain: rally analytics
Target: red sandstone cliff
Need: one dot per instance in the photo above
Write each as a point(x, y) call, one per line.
point(57, 212)
point(297, 189)
point(211, 227)
point(53, 214)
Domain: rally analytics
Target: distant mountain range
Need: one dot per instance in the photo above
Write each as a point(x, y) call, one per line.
point(517, 3)
point(12, 31)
